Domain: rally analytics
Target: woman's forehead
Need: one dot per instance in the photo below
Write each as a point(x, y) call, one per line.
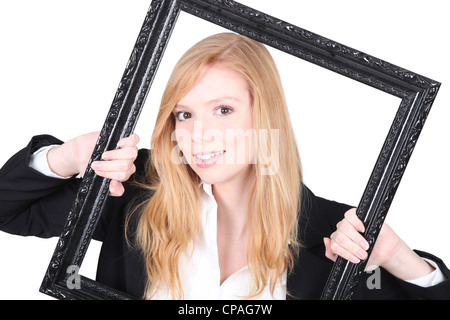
point(217, 84)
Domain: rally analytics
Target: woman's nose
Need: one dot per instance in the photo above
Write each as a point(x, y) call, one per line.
point(203, 132)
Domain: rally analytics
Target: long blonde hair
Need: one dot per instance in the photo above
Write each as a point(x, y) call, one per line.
point(170, 220)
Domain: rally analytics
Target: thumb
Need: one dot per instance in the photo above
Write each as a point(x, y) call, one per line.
point(116, 188)
point(328, 253)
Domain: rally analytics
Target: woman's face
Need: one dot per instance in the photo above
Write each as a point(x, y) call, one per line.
point(214, 126)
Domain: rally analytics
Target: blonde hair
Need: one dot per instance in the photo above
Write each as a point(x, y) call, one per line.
point(170, 220)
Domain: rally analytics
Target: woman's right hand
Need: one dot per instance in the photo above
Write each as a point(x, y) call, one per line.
point(72, 158)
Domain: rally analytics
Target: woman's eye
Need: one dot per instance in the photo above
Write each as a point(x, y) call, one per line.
point(181, 116)
point(223, 110)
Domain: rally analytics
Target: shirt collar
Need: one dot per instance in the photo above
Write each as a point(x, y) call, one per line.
point(207, 188)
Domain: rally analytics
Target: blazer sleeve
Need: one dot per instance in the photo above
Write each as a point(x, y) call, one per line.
point(32, 204)
point(441, 291)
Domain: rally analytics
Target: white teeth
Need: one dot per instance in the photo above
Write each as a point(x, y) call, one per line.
point(208, 156)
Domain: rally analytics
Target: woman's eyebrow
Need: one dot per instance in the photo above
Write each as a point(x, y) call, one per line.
point(179, 106)
point(221, 99)
point(210, 102)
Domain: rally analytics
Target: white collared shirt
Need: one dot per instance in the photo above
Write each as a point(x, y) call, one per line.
point(200, 275)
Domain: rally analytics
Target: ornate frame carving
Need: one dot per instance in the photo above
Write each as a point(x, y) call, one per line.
point(417, 94)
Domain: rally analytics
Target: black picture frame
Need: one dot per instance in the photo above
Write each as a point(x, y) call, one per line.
point(417, 94)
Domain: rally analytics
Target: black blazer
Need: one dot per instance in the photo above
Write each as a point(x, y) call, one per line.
point(32, 204)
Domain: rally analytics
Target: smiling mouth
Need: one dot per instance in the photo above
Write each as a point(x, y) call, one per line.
point(207, 156)
point(206, 160)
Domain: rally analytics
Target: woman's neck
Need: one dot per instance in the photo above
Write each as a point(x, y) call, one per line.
point(232, 227)
point(232, 200)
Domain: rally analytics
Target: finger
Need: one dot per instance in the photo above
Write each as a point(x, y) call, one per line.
point(349, 230)
point(116, 188)
point(346, 248)
point(126, 153)
point(351, 217)
point(119, 176)
point(125, 166)
point(130, 141)
point(339, 251)
point(328, 253)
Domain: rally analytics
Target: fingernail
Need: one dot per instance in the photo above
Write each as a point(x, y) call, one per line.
point(121, 143)
point(355, 260)
point(106, 156)
point(362, 254)
point(364, 244)
point(100, 173)
point(95, 165)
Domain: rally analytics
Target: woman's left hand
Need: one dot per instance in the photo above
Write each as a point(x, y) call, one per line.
point(348, 242)
point(389, 251)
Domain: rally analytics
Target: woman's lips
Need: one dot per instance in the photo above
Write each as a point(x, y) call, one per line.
point(208, 159)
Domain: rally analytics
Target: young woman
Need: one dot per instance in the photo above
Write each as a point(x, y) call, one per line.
point(217, 209)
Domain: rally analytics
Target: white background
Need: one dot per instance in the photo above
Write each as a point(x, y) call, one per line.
point(61, 62)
